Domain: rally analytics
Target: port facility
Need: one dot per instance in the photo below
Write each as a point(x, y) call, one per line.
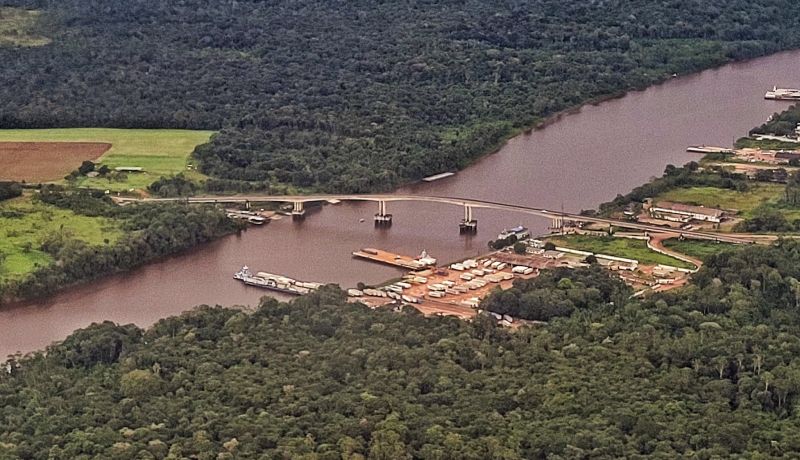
point(397, 260)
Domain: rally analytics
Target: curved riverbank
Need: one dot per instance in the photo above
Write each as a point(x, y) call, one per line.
point(578, 162)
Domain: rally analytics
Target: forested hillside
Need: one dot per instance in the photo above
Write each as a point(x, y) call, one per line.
point(355, 95)
point(710, 371)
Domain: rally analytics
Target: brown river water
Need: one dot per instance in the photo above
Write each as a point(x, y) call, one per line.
point(579, 161)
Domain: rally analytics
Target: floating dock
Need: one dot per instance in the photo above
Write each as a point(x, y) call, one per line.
point(783, 94)
point(397, 260)
point(251, 217)
point(708, 149)
point(438, 176)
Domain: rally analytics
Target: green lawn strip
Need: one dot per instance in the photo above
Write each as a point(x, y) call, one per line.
point(21, 237)
point(697, 248)
point(766, 144)
point(714, 197)
point(621, 247)
point(161, 152)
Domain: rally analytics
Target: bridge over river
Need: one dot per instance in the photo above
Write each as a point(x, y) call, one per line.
point(468, 223)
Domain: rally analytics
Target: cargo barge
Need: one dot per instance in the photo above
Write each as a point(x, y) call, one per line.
point(251, 217)
point(783, 94)
point(274, 282)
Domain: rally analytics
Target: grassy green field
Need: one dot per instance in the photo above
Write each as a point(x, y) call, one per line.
point(25, 223)
point(161, 152)
point(697, 248)
point(16, 25)
point(744, 202)
point(620, 247)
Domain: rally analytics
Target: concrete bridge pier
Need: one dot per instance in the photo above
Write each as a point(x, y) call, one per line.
point(557, 225)
point(468, 224)
point(382, 218)
point(297, 210)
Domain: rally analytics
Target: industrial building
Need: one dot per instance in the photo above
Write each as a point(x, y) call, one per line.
point(679, 212)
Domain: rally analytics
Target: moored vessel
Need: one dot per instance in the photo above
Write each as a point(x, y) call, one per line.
point(275, 282)
point(783, 94)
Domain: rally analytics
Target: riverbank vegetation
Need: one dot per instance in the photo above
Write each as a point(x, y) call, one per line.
point(707, 371)
point(338, 97)
point(27, 224)
point(781, 124)
point(629, 248)
point(64, 236)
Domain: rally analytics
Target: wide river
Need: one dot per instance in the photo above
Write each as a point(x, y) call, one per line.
point(581, 160)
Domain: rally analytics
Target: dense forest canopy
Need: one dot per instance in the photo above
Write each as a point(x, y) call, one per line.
point(354, 95)
point(709, 371)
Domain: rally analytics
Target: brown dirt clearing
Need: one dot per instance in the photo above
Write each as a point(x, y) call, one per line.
point(45, 161)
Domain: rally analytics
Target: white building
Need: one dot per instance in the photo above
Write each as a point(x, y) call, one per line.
point(680, 212)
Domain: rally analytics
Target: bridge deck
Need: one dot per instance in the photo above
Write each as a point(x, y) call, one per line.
point(549, 214)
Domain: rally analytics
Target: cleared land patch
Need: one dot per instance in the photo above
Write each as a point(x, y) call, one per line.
point(714, 197)
point(620, 247)
point(160, 152)
point(25, 224)
point(45, 161)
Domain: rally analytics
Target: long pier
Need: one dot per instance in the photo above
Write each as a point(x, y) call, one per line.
point(556, 217)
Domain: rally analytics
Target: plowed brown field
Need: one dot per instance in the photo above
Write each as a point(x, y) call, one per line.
point(45, 161)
